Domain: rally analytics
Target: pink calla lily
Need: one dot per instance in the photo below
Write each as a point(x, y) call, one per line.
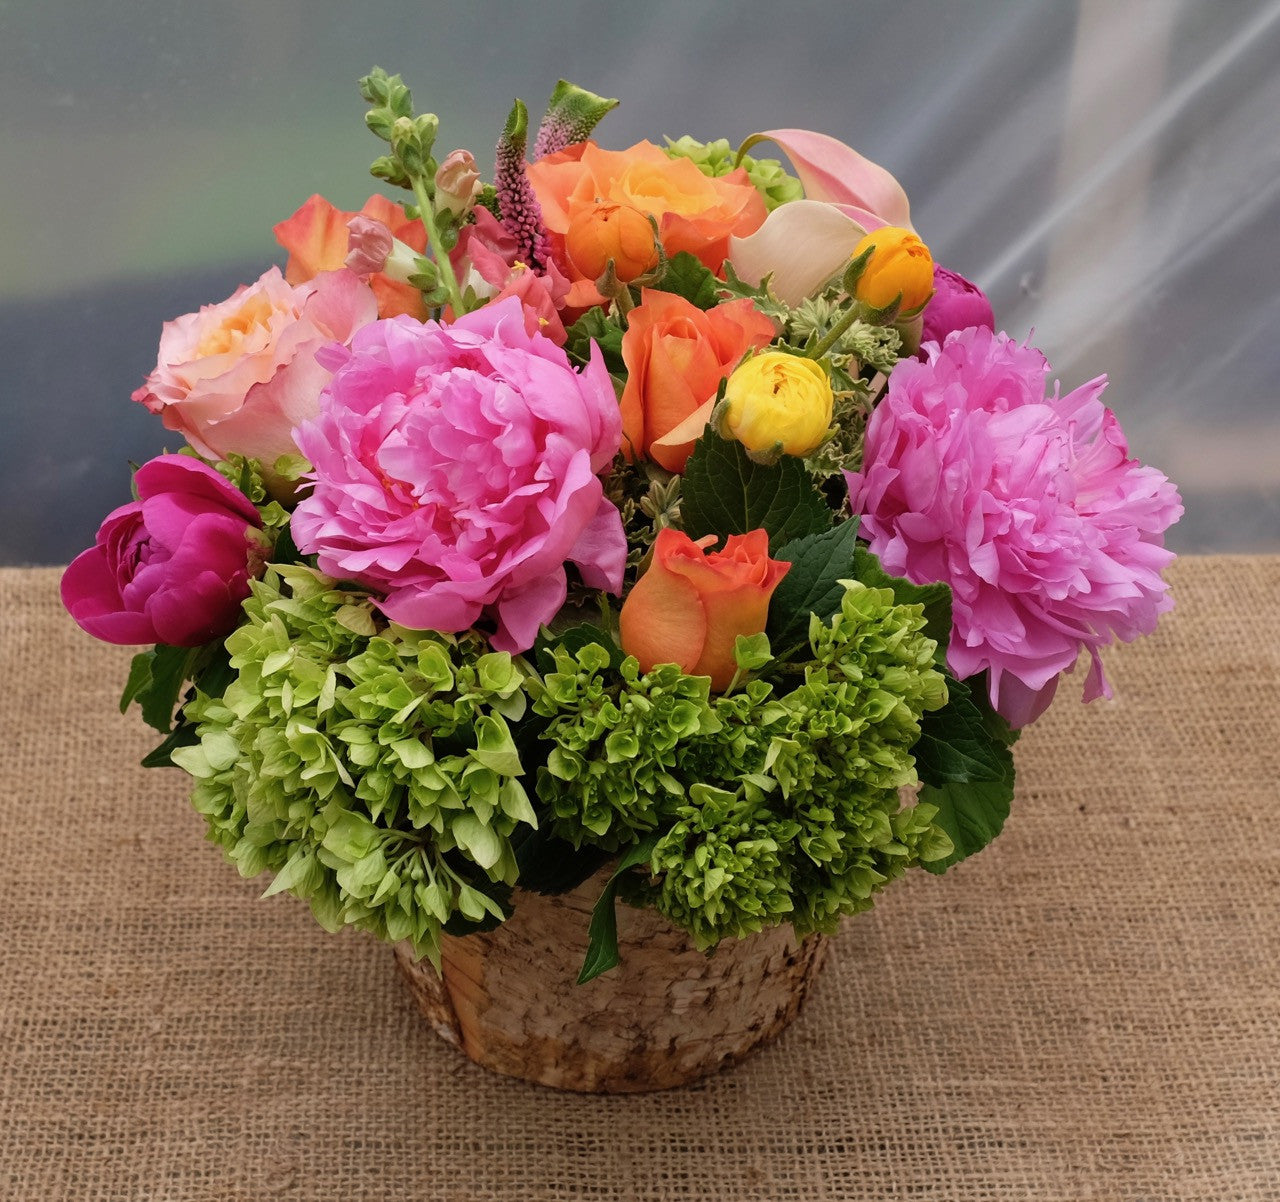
point(804, 243)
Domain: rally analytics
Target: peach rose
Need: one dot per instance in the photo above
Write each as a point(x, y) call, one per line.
point(236, 377)
point(695, 213)
point(316, 239)
point(690, 606)
point(676, 355)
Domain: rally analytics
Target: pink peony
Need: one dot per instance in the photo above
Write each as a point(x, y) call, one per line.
point(1028, 506)
point(956, 304)
point(455, 471)
point(236, 377)
point(171, 567)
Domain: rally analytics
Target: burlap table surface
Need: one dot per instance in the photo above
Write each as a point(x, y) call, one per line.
point(1089, 1009)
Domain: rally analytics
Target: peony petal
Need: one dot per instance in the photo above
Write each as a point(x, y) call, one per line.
point(833, 172)
point(801, 245)
point(601, 550)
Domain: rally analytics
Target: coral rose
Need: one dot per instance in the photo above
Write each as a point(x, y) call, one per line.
point(695, 213)
point(171, 567)
point(236, 377)
point(317, 239)
point(690, 606)
point(1027, 505)
point(455, 473)
point(676, 355)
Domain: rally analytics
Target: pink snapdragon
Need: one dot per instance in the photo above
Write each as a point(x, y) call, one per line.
point(1027, 505)
point(456, 472)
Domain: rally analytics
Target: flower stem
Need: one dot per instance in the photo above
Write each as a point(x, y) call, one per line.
point(441, 256)
point(832, 336)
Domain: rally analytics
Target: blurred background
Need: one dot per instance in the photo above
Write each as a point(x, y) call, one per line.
point(1108, 170)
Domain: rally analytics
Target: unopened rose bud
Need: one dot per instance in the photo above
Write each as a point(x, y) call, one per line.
point(900, 266)
point(777, 400)
point(611, 231)
point(371, 248)
point(457, 183)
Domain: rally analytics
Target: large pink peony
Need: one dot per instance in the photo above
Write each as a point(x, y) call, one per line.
point(455, 471)
point(1028, 506)
point(236, 377)
point(173, 566)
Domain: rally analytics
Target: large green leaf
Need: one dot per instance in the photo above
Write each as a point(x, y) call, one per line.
point(687, 277)
point(972, 815)
point(812, 585)
point(725, 492)
point(959, 744)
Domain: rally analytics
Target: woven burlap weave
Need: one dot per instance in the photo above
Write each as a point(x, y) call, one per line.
point(1089, 1009)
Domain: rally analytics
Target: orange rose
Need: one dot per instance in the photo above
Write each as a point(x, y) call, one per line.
point(695, 213)
point(676, 355)
point(690, 606)
point(316, 239)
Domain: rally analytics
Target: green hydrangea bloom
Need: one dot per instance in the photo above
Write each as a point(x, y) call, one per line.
point(716, 158)
point(614, 738)
point(371, 768)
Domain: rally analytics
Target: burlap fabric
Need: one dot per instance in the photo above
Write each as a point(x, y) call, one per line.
point(1089, 1009)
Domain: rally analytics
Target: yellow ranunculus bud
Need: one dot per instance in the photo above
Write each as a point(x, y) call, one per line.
point(775, 398)
point(899, 263)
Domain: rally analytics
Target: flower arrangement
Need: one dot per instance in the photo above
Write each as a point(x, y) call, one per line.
point(654, 508)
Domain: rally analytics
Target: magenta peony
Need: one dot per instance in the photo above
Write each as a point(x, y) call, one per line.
point(171, 567)
point(456, 472)
point(956, 304)
point(236, 377)
point(1028, 506)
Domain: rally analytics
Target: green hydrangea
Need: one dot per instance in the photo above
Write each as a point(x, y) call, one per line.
point(371, 768)
point(716, 158)
point(614, 737)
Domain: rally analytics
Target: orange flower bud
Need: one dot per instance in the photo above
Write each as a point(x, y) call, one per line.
point(611, 231)
point(690, 606)
point(900, 264)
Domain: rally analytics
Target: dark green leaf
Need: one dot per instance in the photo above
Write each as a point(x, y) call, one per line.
point(459, 924)
point(573, 639)
point(551, 865)
point(724, 493)
point(169, 667)
point(957, 743)
point(936, 598)
point(687, 277)
point(594, 326)
point(139, 678)
point(183, 735)
point(602, 950)
point(972, 814)
point(812, 584)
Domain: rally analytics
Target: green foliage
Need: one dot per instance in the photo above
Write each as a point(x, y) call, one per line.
point(372, 769)
point(602, 935)
point(967, 770)
point(596, 326)
point(725, 492)
point(717, 158)
point(614, 736)
point(687, 277)
point(813, 584)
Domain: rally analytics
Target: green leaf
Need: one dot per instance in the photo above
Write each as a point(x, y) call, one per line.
point(182, 735)
point(936, 598)
point(724, 493)
point(687, 277)
point(549, 864)
point(169, 668)
point(972, 815)
point(139, 678)
point(573, 639)
point(602, 948)
point(819, 562)
point(595, 326)
point(959, 744)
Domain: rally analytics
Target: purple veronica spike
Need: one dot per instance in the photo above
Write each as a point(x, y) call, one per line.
point(572, 113)
point(517, 205)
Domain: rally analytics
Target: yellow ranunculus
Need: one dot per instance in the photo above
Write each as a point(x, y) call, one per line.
point(900, 264)
point(776, 398)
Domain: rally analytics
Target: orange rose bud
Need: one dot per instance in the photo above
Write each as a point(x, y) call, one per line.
point(690, 606)
point(676, 355)
point(900, 264)
point(611, 231)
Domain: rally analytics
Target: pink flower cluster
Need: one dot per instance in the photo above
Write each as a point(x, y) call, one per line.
point(455, 471)
point(1027, 505)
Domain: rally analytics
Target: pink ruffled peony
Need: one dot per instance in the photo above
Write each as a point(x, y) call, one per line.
point(236, 377)
point(171, 567)
point(1028, 506)
point(455, 471)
